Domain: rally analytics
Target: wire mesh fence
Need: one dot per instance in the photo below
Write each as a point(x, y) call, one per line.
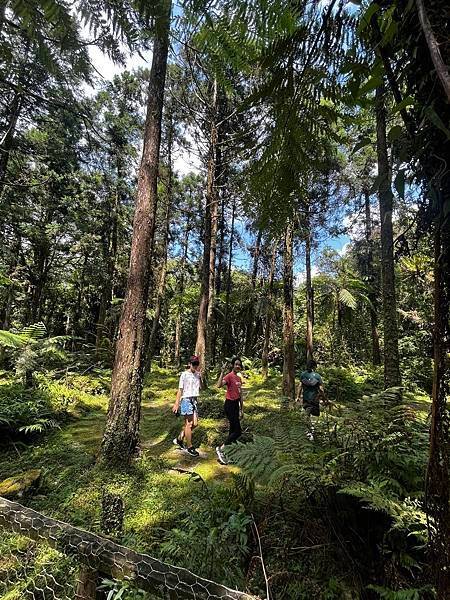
point(42, 558)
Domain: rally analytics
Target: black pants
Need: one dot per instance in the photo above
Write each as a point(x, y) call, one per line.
point(231, 408)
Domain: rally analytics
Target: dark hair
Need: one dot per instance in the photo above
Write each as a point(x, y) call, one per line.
point(233, 361)
point(311, 365)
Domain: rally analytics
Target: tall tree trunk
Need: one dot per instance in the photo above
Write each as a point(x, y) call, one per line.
point(369, 273)
point(178, 323)
point(163, 272)
point(209, 244)
point(121, 435)
point(309, 296)
point(6, 141)
point(391, 356)
point(433, 46)
point(288, 313)
point(227, 345)
point(110, 252)
point(268, 317)
point(437, 482)
point(249, 333)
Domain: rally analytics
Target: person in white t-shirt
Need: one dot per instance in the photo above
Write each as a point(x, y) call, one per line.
point(186, 404)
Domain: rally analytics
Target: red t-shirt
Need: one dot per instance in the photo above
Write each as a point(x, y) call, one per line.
point(234, 384)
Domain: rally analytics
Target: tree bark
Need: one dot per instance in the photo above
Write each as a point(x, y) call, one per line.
point(178, 323)
point(209, 244)
point(227, 345)
point(309, 296)
point(391, 355)
point(268, 317)
point(6, 141)
point(121, 436)
point(288, 314)
point(433, 46)
point(437, 495)
point(249, 333)
point(167, 217)
point(376, 352)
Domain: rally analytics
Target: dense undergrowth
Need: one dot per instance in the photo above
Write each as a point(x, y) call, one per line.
point(338, 517)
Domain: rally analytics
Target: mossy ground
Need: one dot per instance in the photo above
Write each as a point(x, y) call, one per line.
point(154, 492)
point(158, 490)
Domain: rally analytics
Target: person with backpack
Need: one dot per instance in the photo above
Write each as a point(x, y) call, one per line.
point(186, 404)
point(310, 392)
point(233, 406)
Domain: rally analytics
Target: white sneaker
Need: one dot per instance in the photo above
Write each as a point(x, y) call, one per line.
point(220, 456)
point(178, 443)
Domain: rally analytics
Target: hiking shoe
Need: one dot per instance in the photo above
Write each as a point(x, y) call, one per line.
point(177, 442)
point(192, 451)
point(221, 458)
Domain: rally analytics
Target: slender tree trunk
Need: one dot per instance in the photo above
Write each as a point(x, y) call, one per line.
point(6, 141)
point(433, 46)
point(391, 356)
point(249, 333)
point(219, 276)
point(437, 482)
point(178, 323)
point(209, 245)
point(121, 436)
point(268, 317)
point(110, 252)
point(227, 340)
point(376, 352)
point(162, 274)
point(309, 297)
point(288, 313)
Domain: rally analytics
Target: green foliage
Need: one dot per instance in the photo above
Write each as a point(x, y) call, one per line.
point(222, 525)
point(406, 594)
point(373, 449)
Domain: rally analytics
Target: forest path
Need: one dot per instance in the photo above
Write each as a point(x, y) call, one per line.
point(157, 489)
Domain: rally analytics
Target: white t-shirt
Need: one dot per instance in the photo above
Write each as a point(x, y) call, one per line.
point(190, 384)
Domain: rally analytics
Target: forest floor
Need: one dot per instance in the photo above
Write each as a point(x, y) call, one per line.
point(153, 490)
point(171, 499)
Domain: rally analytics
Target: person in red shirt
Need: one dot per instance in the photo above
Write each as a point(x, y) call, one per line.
point(233, 406)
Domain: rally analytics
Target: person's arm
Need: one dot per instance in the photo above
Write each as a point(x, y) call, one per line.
point(221, 382)
point(176, 405)
point(241, 406)
point(322, 395)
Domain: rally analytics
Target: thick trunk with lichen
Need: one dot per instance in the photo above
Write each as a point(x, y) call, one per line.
point(390, 326)
point(121, 435)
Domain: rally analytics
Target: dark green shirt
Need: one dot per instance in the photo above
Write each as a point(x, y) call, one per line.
point(311, 382)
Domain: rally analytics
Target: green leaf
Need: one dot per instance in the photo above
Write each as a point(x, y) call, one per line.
point(395, 133)
point(432, 116)
point(347, 298)
point(408, 101)
point(367, 17)
point(371, 85)
point(365, 141)
point(12, 340)
point(399, 183)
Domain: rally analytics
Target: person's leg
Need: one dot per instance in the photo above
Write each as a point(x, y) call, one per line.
point(188, 420)
point(232, 413)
